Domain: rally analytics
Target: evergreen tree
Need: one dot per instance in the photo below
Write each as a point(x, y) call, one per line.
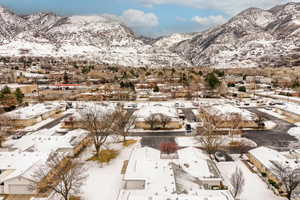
point(213, 81)
point(66, 78)
point(6, 90)
point(19, 95)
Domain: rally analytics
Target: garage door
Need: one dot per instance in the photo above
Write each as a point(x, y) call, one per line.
point(19, 189)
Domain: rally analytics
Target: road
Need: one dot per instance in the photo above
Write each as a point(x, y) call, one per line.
point(277, 138)
point(54, 122)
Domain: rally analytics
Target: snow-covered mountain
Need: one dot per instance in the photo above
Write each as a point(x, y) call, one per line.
point(255, 37)
point(82, 37)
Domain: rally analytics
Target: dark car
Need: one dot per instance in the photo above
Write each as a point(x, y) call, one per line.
point(220, 156)
point(18, 135)
point(188, 127)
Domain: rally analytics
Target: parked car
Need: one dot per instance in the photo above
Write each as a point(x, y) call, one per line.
point(18, 135)
point(188, 128)
point(220, 156)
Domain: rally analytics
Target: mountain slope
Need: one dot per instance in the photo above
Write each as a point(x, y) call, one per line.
point(80, 37)
point(255, 37)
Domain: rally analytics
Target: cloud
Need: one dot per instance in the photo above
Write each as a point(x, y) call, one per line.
point(139, 19)
point(210, 20)
point(230, 7)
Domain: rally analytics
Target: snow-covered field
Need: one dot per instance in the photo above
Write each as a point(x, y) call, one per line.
point(254, 189)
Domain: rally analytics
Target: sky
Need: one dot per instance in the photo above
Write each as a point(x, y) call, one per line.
point(149, 17)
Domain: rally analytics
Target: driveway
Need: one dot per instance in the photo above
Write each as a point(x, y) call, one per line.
point(54, 122)
point(189, 115)
point(155, 141)
point(277, 138)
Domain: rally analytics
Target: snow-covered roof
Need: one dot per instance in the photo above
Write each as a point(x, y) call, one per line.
point(199, 195)
point(145, 164)
point(83, 107)
point(192, 159)
point(160, 179)
point(225, 110)
point(49, 143)
point(156, 108)
point(14, 164)
point(268, 156)
point(290, 107)
point(32, 111)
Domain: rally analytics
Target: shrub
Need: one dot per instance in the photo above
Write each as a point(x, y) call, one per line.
point(242, 89)
point(231, 85)
point(168, 147)
point(105, 156)
point(234, 143)
point(264, 174)
point(74, 198)
point(126, 143)
point(273, 183)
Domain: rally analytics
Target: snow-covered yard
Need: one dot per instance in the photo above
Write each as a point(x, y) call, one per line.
point(225, 140)
point(295, 131)
point(254, 189)
point(105, 182)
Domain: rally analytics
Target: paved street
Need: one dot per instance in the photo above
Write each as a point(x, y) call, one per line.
point(277, 138)
point(54, 122)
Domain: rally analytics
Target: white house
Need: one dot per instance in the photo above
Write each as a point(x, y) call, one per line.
point(191, 176)
point(16, 170)
point(29, 115)
point(42, 142)
point(157, 109)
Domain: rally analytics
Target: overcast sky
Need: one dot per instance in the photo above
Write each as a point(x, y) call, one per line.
point(149, 17)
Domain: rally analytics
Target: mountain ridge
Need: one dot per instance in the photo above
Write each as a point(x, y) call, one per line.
point(254, 37)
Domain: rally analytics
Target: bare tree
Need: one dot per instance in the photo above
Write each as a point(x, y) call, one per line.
point(237, 181)
point(235, 122)
point(289, 178)
point(260, 120)
point(164, 119)
point(62, 176)
point(125, 120)
point(210, 140)
point(4, 126)
point(152, 120)
point(100, 125)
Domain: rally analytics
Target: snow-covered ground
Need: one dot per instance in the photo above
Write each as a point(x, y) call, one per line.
point(270, 124)
point(254, 189)
point(105, 182)
point(295, 131)
point(225, 140)
point(273, 113)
